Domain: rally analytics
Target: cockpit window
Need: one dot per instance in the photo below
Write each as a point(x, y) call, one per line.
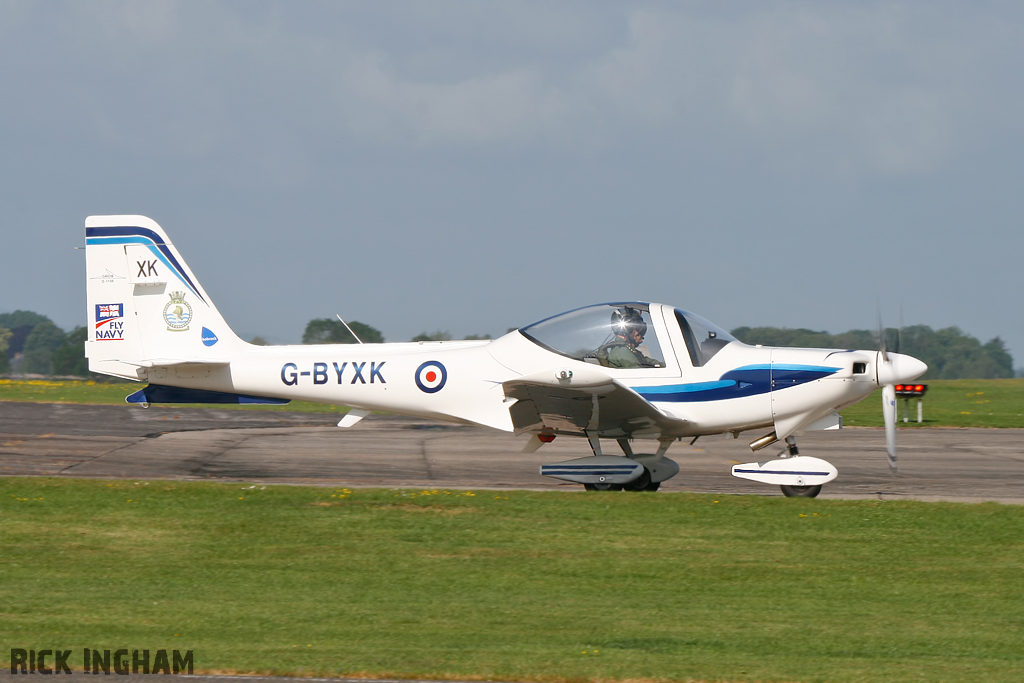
point(703, 339)
point(612, 335)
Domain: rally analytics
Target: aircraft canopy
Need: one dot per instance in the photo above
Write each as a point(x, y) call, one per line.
point(703, 339)
point(589, 334)
point(596, 334)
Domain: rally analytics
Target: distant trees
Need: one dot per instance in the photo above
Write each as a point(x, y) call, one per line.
point(20, 325)
point(18, 319)
point(328, 331)
point(69, 358)
point(5, 338)
point(31, 343)
point(949, 352)
point(432, 336)
point(40, 344)
point(446, 336)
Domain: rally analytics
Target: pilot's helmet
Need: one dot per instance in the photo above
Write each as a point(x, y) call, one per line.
point(625, 320)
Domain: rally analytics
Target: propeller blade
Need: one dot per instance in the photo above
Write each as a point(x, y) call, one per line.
point(889, 413)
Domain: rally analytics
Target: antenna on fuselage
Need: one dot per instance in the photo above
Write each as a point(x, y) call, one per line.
point(349, 329)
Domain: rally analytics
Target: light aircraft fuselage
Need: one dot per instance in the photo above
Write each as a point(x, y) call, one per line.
point(629, 371)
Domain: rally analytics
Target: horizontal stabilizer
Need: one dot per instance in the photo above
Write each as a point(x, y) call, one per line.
point(354, 415)
point(159, 393)
point(799, 471)
point(172, 362)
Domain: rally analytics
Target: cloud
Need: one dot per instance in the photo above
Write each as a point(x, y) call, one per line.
point(500, 105)
point(858, 88)
point(800, 81)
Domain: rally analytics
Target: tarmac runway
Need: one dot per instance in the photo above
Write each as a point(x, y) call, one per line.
point(129, 442)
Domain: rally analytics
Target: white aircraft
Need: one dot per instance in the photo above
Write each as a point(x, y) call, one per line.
point(629, 371)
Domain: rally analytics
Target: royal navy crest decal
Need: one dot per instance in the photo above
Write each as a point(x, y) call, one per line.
point(177, 313)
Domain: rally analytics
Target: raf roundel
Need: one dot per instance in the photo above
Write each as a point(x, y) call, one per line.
point(431, 376)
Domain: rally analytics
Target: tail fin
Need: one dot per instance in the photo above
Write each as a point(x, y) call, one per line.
point(145, 307)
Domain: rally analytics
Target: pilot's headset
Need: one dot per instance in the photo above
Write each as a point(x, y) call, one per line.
point(624, 320)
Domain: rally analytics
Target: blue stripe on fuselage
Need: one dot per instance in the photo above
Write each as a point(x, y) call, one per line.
point(749, 380)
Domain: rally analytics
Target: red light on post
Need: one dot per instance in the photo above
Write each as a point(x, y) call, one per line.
point(911, 390)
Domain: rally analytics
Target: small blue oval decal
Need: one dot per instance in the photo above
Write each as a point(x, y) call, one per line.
point(209, 338)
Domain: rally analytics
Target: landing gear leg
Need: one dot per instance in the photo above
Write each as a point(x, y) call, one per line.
point(797, 491)
point(644, 483)
point(644, 480)
point(595, 445)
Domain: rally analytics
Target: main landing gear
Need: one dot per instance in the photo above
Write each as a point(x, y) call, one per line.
point(656, 468)
point(641, 483)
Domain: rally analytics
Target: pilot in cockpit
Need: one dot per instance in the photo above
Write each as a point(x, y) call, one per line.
point(628, 328)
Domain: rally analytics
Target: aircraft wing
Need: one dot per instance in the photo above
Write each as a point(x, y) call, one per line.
point(587, 401)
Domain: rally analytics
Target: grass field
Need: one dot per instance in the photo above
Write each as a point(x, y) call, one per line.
point(515, 585)
point(948, 403)
point(952, 403)
point(114, 393)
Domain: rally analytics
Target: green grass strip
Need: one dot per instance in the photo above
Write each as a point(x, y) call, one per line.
point(114, 393)
point(951, 403)
point(948, 403)
point(546, 586)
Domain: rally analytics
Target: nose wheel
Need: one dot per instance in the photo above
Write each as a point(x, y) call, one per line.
point(801, 491)
point(797, 491)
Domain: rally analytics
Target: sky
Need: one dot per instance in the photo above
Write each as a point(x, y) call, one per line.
point(477, 166)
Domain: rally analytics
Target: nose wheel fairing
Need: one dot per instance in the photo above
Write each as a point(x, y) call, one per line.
point(800, 470)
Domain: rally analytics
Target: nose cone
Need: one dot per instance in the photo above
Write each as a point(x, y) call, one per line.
point(900, 369)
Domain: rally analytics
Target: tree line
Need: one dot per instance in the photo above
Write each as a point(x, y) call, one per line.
point(30, 343)
point(949, 352)
point(331, 331)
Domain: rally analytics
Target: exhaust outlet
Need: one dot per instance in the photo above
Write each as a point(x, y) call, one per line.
point(766, 440)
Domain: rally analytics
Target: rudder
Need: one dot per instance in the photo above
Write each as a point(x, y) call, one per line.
point(145, 306)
